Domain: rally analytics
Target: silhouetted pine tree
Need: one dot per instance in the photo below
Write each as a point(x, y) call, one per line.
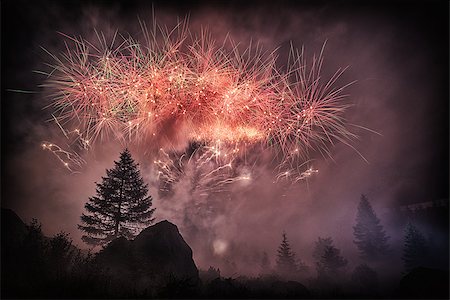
point(121, 205)
point(211, 274)
point(33, 255)
point(331, 262)
point(369, 235)
point(365, 279)
point(320, 246)
point(414, 249)
point(60, 254)
point(286, 265)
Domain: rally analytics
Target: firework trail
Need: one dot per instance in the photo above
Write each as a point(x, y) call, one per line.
point(70, 160)
point(222, 99)
point(211, 169)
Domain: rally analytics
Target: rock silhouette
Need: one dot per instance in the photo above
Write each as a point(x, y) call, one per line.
point(158, 263)
point(158, 254)
point(13, 229)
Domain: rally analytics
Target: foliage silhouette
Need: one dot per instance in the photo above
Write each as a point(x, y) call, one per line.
point(365, 280)
point(370, 238)
point(286, 261)
point(121, 206)
point(415, 250)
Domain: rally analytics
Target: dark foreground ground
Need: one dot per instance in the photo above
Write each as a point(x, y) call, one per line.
point(158, 264)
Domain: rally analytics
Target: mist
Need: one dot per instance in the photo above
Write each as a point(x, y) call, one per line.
point(399, 114)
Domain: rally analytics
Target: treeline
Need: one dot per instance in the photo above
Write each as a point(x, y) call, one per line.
point(36, 266)
point(370, 239)
point(330, 274)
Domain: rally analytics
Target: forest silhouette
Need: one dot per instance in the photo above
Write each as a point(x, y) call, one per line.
point(140, 260)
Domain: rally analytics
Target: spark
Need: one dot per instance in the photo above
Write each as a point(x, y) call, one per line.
point(129, 91)
point(70, 160)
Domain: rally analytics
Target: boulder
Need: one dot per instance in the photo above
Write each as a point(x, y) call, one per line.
point(157, 255)
point(13, 229)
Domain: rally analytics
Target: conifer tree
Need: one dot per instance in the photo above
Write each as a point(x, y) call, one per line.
point(121, 206)
point(414, 248)
point(365, 279)
point(286, 262)
point(60, 254)
point(331, 262)
point(320, 246)
point(370, 238)
point(328, 258)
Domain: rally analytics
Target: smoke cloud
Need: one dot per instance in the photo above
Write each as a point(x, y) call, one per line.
point(399, 94)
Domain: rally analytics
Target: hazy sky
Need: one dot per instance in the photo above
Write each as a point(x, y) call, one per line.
point(398, 54)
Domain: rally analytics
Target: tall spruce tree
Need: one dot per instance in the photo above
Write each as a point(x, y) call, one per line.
point(320, 246)
point(328, 258)
point(331, 261)
point(369, 235)
point(121, 206)
point(286, 262)
point(365, 279)
point(415, 248)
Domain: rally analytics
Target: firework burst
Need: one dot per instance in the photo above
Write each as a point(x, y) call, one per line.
point(223, 99)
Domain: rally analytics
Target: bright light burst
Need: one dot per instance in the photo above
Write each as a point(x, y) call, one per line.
point(222, 99)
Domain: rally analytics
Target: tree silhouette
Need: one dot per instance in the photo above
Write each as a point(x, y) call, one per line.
point(365, 279)
point(414, 248)
point(210, 274)
point(32, 252)
point(331, 262)
point(320, 246)
point(286, 262)
point(369, 235)
point(121, 205)
point(60, 254)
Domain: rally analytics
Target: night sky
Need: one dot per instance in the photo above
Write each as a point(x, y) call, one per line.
point(397, 53)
